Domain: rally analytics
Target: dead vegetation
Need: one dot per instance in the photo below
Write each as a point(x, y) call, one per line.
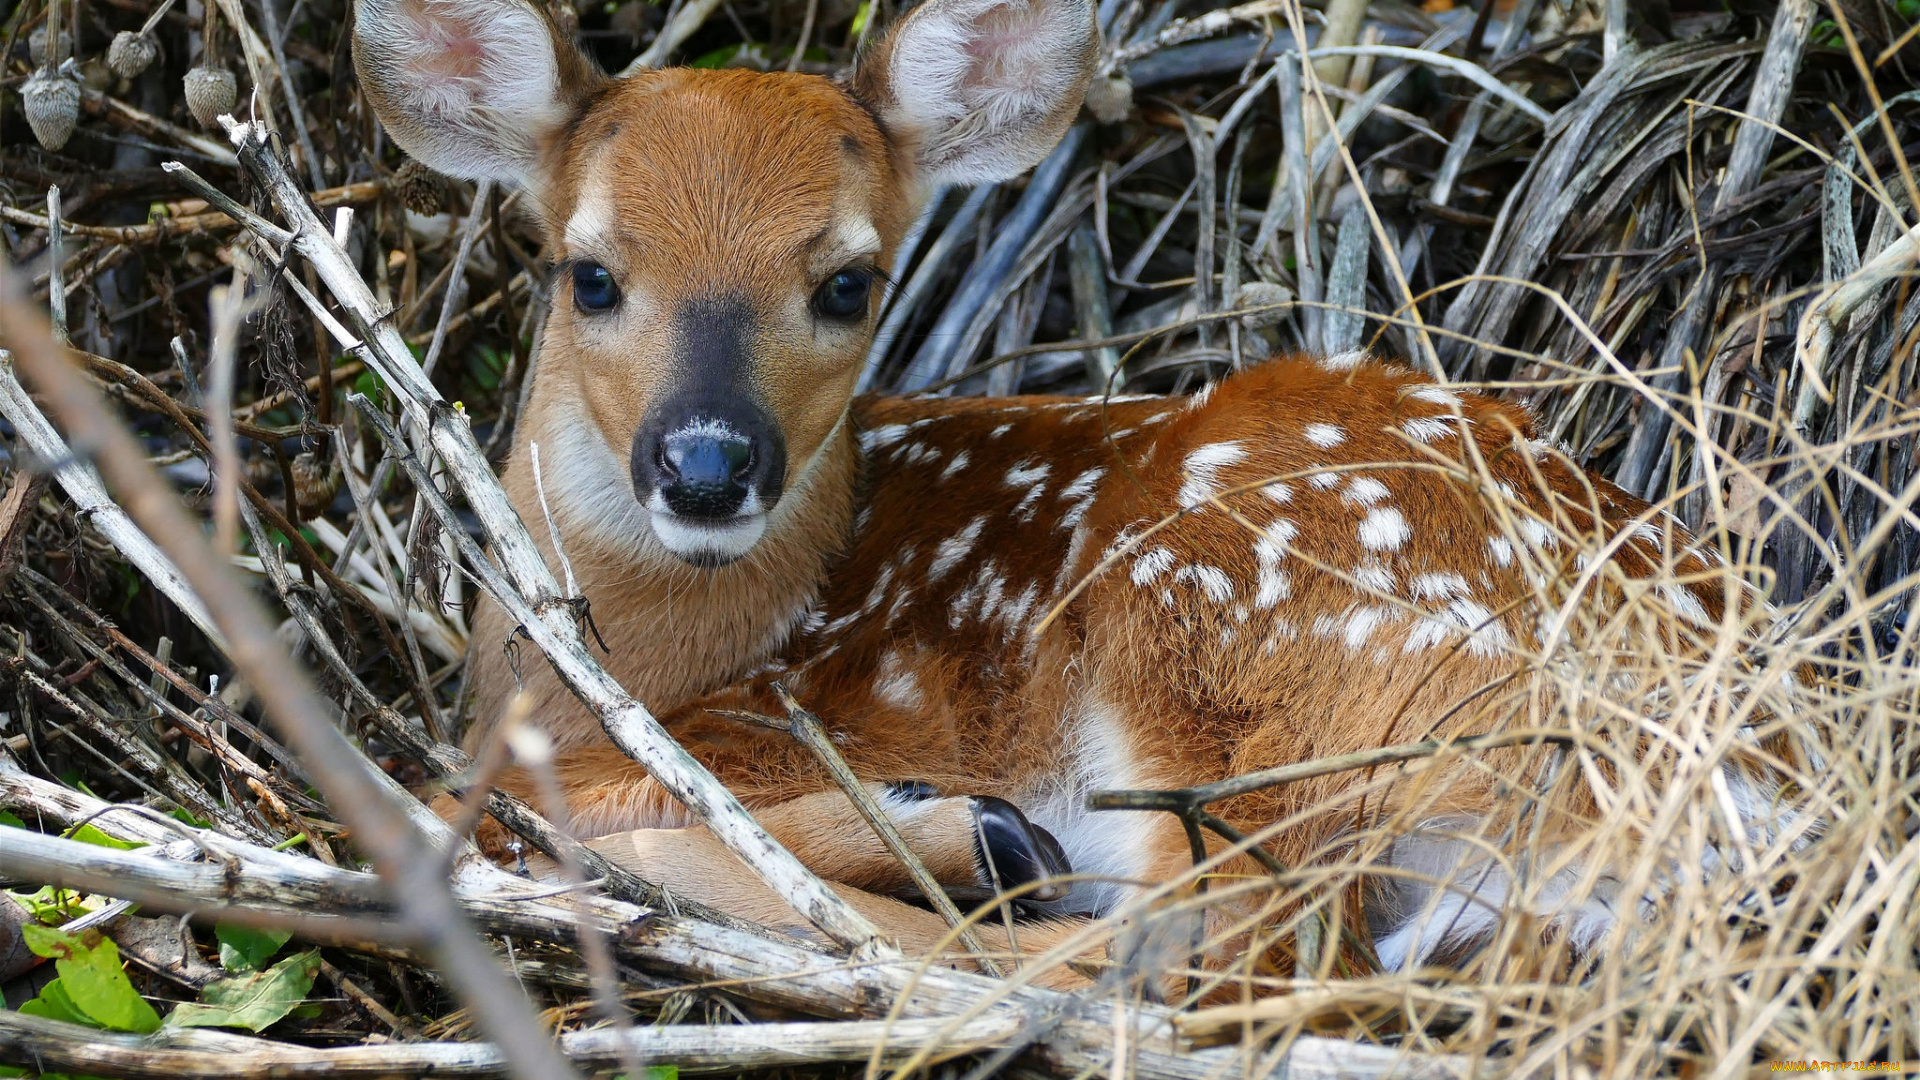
point(1683, 232)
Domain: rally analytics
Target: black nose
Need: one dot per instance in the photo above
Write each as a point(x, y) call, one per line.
point(708, 459)
point(704, 475)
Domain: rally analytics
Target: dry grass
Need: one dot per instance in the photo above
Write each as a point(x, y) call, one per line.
point(1713, 308)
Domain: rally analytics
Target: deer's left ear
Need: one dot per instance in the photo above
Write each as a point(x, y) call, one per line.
point(980, 90)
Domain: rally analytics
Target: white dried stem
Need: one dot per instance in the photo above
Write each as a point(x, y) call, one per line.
point(56, 255)
point(227, 302)
point(692, 1048)
point(553, 527)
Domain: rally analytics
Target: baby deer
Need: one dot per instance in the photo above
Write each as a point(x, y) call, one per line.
point(997, 606)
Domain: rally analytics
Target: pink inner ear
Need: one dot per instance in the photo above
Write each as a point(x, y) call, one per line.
point(452, 51)
point(1009, 53)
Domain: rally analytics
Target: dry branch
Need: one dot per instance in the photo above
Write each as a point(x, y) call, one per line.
point(691, 1048)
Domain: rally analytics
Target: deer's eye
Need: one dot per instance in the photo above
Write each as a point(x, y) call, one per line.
point(844, 295)
point(593, 287)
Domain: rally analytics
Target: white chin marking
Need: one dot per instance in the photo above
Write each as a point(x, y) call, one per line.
point(708, 545)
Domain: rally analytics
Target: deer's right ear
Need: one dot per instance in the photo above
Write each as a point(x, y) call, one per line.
point(981, 90)
point(472, 88)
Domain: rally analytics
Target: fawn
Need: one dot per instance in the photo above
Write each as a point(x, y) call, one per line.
point(1293, 563)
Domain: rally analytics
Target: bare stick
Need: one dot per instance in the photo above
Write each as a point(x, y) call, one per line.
point(56, 256)
point(693, 1048)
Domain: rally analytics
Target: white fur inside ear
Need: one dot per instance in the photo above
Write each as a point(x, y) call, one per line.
point(470, 86)
point(988, 86)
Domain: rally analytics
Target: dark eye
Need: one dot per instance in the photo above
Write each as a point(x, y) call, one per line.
point(844, 295)
point(593, 287)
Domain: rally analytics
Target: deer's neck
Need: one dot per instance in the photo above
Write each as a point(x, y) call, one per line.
point(675, 631)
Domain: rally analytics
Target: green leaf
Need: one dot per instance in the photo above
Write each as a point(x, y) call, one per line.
point(87, 834)
point(54, 1004)
point(52, 905)
point(860, 17)
point(655, 1072)
point(242, 948)
point(7, 818)
point(253, 1001)
point(90, 973)
point(181, 814)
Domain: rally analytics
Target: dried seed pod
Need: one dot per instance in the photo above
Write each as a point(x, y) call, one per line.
point(1110, 99)
point(419, 188)
point(315, 483)
point(131, 53)
point(210, 94)
point(51, 101)
point(37, 45)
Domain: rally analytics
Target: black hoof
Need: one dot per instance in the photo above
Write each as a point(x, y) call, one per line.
point(912, 790)
point(1015, 851)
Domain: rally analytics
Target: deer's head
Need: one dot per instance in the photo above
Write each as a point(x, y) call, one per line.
point(718, 236)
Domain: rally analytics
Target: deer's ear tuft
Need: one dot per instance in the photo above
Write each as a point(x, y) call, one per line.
point(472, 88)
point(981, 90)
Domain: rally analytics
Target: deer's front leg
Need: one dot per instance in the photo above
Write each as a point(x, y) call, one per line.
point(691, 864)
point(974, 846)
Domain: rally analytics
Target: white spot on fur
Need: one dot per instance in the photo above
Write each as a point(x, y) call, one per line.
point(1017, 608)
point(1027, 474)
point(1345, 361)
point(1272, 583)
point(901, 601)
point(882, 437)
point(1374, 576)
point(959, 462)
point(1442, 586)
point(1325, 481)
point(1083, 485)
point(1686, 605)
point(896, 684)
point(1384, 529)
point(954, 548)
point(1211, 579)
point(1501, 549)
point(1362, 622)
point(1489, 638)
point(1081, 492)
point(1325, 436)
point(1426, 429)
point(1433, 394)
point(1150, 565)
point(1364, 491)
point(1199, 400)
point(1278, 492)
point(1202, 471)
